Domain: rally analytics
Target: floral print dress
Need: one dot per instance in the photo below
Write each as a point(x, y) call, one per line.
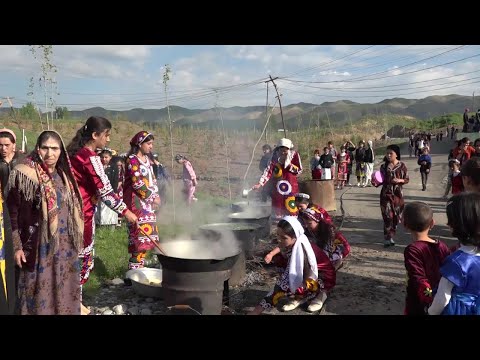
point(140, 191)
point(308, 291)
point(391, 197)
point(52, 288)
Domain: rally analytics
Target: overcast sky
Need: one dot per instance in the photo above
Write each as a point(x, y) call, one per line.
point(122, 77)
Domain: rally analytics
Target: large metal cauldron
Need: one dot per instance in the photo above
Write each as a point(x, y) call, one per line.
point(245, 234)
point(241, 206)
point(194, 273)
point(259, 216)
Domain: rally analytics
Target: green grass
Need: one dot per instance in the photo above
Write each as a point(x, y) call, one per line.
point(111, 257)
point(438, 122)
point(111, 253)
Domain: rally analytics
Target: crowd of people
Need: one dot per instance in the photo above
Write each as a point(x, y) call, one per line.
point(52, 199)
point(310, 249)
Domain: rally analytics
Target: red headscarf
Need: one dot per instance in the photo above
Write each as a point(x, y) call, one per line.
point(139, 138)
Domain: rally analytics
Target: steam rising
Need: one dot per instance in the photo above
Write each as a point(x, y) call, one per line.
point(202, 249)
point(188, 242)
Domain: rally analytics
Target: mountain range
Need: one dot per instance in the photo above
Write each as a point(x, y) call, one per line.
point(295, 115)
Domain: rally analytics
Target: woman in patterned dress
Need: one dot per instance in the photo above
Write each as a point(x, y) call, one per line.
point(104, 215)
point(322, 231)
point(141, 195)
point(361, 165)
point(285, 166)
point(395, 175)
point(45, 207)
point(93, 183)
point(343, 159)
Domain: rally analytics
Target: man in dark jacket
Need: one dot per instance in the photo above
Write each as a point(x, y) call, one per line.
point(327, 162)
point(465, 121)
point(8, 156)
point(267, 156)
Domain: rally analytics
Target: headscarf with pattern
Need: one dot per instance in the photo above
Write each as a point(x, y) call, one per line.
point(32, 175)
point(139, 138)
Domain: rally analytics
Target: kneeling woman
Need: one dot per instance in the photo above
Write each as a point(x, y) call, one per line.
point(308, 274)
point(45, 209)
point(323, 233)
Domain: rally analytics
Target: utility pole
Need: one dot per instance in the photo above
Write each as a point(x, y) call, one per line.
point(52, 109)
point(14, 114)
point(329, 124)
point(46, 100)
point(473, 101)
point(266, 115)
point(279, 102)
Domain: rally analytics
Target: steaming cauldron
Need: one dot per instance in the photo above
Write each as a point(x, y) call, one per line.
point(241, 206)
point(245, 233)
point(194, 273)
point(259, 216)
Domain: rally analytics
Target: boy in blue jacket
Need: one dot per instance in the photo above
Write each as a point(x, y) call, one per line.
point(425, 162)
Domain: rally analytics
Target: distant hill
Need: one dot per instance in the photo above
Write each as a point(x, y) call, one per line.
point(295, 115)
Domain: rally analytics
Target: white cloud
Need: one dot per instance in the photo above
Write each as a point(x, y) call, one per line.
point(117, 52)
point(196, 70)
point(334, 72)
point(83, 69)
point(15, 57)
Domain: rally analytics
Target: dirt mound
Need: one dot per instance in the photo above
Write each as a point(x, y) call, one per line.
point(398, 132)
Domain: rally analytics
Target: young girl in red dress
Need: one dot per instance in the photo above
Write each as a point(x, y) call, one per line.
point(93, 183)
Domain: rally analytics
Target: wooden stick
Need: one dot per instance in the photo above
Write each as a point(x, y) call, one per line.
point(152, 240)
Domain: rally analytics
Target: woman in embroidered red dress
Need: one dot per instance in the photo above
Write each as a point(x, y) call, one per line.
point(141, 195)
point(93, 183)
point(285, 166)
point(326, 236)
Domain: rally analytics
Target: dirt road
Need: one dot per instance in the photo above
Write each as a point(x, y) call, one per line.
point(372, 282)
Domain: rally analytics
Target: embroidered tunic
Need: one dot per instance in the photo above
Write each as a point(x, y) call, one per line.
point(391, 197)
point(310, 288)
point(285, 184)
point(422, 262)
point(93, 184)
point(140, 190)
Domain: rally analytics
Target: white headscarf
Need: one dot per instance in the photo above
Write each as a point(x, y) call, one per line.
point(288, 144)
point(295, 276)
